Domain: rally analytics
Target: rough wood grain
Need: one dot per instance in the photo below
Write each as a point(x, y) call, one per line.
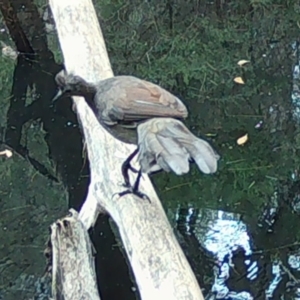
point(72, 262)
point(160, 267)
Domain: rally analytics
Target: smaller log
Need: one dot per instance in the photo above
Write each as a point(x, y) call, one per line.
point(71, 261)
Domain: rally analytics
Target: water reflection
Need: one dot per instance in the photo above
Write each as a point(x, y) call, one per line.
point(238, 270)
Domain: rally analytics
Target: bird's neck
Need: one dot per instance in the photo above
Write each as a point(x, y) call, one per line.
point(87, 90)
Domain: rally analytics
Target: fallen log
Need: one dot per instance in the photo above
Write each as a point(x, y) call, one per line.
point(70, 260)
point(159, 265)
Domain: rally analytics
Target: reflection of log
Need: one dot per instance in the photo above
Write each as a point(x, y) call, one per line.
point(72, 263)
point(159, 265)
point(15, 29)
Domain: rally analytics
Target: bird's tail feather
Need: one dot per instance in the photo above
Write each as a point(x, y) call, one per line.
point(166, 143)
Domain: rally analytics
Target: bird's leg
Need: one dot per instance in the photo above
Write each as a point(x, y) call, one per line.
point(127, 166)
point(135, 189)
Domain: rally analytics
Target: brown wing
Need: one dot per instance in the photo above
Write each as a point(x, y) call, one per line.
point(135, 100)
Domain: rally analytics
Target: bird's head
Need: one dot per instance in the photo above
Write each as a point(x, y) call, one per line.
point(70, 85)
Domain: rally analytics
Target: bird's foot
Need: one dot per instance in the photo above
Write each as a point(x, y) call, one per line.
point(132, 190)
point(137, 193)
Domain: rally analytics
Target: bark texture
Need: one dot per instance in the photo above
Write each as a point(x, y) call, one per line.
point(71, 260)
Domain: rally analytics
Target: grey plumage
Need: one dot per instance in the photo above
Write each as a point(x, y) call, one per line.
point(165, 143)
point(139, 112)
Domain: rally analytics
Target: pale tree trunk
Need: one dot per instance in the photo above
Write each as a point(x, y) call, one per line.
point(161, 269)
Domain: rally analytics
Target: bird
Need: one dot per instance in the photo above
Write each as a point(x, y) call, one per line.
point(136, 111)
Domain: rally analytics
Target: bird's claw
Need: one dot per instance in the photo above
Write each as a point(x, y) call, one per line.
point(131, 190)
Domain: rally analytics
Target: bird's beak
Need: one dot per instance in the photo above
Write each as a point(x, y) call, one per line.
point(57, 96)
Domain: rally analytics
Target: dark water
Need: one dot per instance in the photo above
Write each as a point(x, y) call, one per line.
point(238, 228)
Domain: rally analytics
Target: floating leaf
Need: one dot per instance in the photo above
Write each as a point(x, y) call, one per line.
point(242, 140)
point(211, 134)
point(239, 80)
point(8, 153)
point(243, 62)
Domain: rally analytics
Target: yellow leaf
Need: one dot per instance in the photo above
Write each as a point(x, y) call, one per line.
point(239, 80)
point(243, 62)
point(242, 140)
point(7, 152)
